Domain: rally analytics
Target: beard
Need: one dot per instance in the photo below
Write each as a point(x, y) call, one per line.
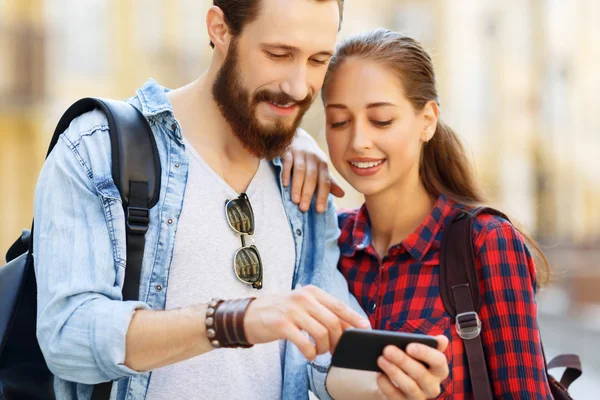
point(239, 108)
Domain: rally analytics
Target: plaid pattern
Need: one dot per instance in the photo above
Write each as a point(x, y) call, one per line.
point(401, 292)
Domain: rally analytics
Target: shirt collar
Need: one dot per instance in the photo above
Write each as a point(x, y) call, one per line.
point(419, 242)
point(361, 232)
point(416, 244)
point(153, 99)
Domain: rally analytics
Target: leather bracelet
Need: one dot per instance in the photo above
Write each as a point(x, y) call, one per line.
point(225, 323)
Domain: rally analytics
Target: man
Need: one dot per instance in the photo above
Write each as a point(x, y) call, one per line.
point(215, 138)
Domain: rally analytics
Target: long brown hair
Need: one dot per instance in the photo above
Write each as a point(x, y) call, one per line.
point(444, 166)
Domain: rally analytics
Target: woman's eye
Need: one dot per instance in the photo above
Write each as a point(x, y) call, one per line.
point(338, 124)
point(383, 123)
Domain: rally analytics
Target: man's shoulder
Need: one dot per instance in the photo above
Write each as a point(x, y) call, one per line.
point(89, 124)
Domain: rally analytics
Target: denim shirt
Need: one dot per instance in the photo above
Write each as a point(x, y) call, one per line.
point(80, 257)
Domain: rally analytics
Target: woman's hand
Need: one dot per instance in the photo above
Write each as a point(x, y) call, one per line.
point(406, 378)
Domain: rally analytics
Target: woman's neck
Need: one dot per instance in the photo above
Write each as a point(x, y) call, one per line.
point(396, 213)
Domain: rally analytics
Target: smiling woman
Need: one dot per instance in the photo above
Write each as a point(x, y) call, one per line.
point(386, 139)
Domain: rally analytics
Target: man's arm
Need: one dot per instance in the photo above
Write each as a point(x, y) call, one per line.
point(81, 321)
point(159, 338)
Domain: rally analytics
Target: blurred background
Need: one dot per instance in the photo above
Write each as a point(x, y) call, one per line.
point(518, 80)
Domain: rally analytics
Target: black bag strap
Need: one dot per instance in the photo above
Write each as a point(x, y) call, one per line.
point(136, 172)
point(459, 289)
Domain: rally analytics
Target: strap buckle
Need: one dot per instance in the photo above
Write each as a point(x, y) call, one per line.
point(138, 219)
point(468, 325)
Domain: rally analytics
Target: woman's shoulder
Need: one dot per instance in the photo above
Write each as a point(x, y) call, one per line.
point(347, 216)
point(489, 225)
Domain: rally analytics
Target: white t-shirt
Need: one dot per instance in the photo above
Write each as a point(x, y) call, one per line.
point(202, 269)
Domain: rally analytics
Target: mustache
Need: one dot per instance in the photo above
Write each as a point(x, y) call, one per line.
point(282, 98)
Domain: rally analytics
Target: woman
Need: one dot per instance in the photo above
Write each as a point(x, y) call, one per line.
point(386, 139)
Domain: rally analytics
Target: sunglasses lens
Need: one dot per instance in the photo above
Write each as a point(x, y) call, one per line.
point(248, 266)
point(240, 216)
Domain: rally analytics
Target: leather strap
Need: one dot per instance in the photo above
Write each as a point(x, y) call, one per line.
point(573, 370)
point(459, 290)
point(478, 372)
point(229, 323)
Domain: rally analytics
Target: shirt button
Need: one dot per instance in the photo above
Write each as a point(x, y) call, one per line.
point(174, 127)
point(373, 306)
point(170, 221)
point(360, 246)
point(177, 165)
point(158, 288)
point(299, 232)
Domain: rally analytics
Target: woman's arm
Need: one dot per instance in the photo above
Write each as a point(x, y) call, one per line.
point(510, 333)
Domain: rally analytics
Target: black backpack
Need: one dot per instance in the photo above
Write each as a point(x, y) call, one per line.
point(459, 290)
point(136, 172)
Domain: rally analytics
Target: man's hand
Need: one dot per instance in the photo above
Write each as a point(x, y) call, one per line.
point(406, 378)
point(309, 164)
point(321, 315)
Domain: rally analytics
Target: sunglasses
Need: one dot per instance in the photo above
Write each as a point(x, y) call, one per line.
point(247, 264)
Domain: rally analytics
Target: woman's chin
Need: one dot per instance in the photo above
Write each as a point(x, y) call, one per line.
point(366, 187)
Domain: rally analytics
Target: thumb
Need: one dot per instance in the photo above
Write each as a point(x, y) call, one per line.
point(442, 342)
point(336, 189)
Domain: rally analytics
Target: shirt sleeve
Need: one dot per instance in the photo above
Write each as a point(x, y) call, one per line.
point(336, 285)
point(82, 321)
point(510, 333)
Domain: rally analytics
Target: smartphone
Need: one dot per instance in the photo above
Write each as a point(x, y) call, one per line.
point(360, 348)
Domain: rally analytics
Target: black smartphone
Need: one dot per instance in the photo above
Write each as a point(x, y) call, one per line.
point(360, 348)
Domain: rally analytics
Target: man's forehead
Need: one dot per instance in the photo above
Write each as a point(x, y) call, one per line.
point(308, 25)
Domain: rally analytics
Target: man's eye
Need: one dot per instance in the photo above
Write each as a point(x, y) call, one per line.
point(277, 56)
point(339, 124)
point(383, 123)
point(320, 62)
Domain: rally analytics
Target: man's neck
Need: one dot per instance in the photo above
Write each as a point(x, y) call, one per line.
point(208, 132)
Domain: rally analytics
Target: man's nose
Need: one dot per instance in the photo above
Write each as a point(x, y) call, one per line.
point(296, 84)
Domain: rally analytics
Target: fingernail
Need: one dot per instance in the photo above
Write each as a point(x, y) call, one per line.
point(414, 348)
point(364, 323)
point(320, 209)
point(383, 361)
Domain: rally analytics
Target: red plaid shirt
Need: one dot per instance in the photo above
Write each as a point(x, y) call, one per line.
point(401, 293)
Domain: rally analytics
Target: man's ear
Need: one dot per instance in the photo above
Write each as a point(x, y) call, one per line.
point(218, 30)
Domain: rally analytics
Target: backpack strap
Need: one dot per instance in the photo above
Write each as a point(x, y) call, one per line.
point(459, 290)
point(573, 370)
point(136, 172)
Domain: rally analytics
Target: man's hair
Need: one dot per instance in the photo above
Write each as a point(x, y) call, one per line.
point(238, 13)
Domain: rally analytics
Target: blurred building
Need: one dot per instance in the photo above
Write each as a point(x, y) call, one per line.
point(517, 80)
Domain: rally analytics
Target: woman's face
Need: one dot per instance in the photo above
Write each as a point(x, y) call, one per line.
point(374, 134)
